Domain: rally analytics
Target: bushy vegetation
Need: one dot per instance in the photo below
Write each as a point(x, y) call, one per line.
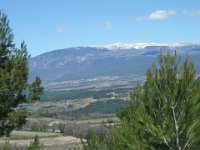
point(35, 145)
point(96, 141)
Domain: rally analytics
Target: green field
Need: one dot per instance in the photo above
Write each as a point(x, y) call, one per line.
point(18, 135)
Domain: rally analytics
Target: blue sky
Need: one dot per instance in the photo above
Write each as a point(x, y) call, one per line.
point(47, 25)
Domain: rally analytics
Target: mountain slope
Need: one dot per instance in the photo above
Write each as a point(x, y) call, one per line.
point(112, 60)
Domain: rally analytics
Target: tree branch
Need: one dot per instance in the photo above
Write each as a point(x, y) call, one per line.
point(176, 127)
point(165, 141)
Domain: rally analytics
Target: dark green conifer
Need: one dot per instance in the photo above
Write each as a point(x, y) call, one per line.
point(14, 87)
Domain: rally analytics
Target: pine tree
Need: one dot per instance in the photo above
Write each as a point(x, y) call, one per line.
point(14, 87)
point(164, 112)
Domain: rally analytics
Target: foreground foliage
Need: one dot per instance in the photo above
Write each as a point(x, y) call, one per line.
point(35, 145)
point(96, 141)
point(14, 87)
point(164, 112)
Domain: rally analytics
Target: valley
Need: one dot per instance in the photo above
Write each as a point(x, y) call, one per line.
point(85, 89)
point(99, 75)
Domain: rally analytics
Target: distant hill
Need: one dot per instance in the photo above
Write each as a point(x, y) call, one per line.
point(117, 59)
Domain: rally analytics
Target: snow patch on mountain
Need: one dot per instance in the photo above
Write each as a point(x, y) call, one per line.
point(120, 45)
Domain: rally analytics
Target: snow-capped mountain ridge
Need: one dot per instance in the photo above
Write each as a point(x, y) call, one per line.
point(120, 45)
point(116, 59)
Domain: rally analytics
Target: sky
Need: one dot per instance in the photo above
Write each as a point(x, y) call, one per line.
point(47, 25)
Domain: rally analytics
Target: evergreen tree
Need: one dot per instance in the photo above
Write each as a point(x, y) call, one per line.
point(164, 112)
point(35, 145)
point(14, 88)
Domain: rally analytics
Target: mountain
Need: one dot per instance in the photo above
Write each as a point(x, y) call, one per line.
point(118, 59)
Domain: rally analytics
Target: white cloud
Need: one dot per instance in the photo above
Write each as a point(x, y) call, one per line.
point(60, 29)
point(161, 14)
point(157, 15)
point(191, 13)
point(107, 26)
